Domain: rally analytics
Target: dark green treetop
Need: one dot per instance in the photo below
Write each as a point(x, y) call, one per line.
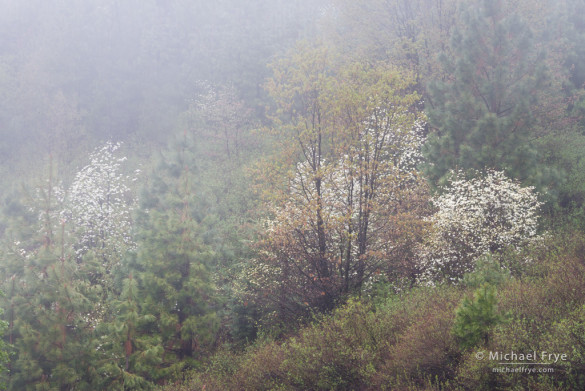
point(483, 114)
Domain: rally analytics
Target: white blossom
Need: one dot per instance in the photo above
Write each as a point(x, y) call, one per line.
point(486, 214)
point(100, 203)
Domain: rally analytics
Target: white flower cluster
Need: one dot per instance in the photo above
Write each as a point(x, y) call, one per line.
point(100, 203)
point(487, 214)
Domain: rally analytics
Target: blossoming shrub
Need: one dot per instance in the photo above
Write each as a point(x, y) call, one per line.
point(483, 215)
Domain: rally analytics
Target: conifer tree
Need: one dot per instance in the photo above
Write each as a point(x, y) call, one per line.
point(49, 304)
point(128, 354)
point(474, 318)
point(171, 260)
point(483, 113)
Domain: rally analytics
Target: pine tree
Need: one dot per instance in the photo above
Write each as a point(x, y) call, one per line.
point(127, 353)
point(171, 262)
point(49, 304)
point(483, 114)
point(4, 350)
point(474, 318)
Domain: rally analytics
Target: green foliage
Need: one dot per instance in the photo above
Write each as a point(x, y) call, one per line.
point(98, 298)
point(538, 307)
point(567, 155)
point(5, 350)
point(568, 336)
point(401, 343)
point(484, 112)
point(409, 341)
point(177, 303)
point(50, 303)
point(474, 318)
point(132, 353)
point(487, 270)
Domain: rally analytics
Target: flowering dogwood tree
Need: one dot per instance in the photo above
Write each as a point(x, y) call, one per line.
point(100, 203)
point(483, 215)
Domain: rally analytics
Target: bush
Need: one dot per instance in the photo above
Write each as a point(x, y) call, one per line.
point(423, 347)
point(406, 342)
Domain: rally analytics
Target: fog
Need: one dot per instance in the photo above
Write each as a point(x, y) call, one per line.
point(76, 72)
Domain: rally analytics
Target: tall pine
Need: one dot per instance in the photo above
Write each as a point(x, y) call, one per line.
point(178, 292)
point(483, 114)
point(128, 354)
point(49, 304)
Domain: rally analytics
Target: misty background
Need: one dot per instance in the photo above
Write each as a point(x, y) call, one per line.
point(76, 73)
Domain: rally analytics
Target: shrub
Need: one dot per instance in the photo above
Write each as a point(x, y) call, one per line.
point(423, 347)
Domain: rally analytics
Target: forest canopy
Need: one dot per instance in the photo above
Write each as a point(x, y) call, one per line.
point(271, 194)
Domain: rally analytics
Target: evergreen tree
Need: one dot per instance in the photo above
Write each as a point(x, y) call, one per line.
point(474, 317)
point(49, 303)
point(128, 353)
point(223, 126)
point(4, 351)
point(171, 259)
point(483, 113)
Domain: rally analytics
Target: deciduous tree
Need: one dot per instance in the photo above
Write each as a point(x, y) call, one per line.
point(350, 140)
